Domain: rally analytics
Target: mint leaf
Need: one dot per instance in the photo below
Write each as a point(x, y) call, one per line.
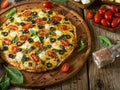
point(60, 1)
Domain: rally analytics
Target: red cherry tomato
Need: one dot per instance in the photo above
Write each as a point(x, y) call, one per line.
point(65, 67)
point(23, 37)
point(114, 9)
point(115, 22)
point(117, 14)
point(64, 42)
point(47, 4)
point(63, 27)
point(13, 27)
point(34, 57)
point(38, 44)
point(56, 18)
point(7, 41)
point(26, 13)
point(89, 14)
point(105, 22)
point(97, 18)
point(27, 26)
point(14, 49)
point(4, 4)
point(51, 54)
point(102, 10)
point(108, 15)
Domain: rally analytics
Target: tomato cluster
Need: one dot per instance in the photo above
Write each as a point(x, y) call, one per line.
point(106, 16)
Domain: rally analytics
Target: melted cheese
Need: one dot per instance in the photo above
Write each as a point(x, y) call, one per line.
point(19, 56)
point(18, 19)
point(42, 55)
point(13, 34)
point(58, 32)
point(55, 45)
point(26, 45)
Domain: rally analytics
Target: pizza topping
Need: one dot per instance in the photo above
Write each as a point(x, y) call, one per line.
point(30, 40)
point(49, 65)
point(11, 19)
point(44, 19)
point(56, 18)
point(30, 64)
point(51, 54)
point(38, 51)
point(64, 42)
point(1, 29)
point(26, 13)
point(63, 27)
point(7, 41)
point(50, 12)
point(38, 44)
point(27, 26)
point(34, 57)
point(28, 50)
point(13, 27)
point(22, 23)
point(15, 39)
point(68, 36)
point(34, 13)
point(42, 32)
point(23, 37)
point(61, 52)
point(65, 67)
point(14, 49)
point(24, 58)
point(11, 56)
point(4, 48)
point(52, 28)
point(40, 26)
point(5, 33)
point(19, 49)
point(52, 40)
point(39, 21)
point(19, 44)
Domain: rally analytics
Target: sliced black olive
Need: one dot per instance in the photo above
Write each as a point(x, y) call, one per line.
point(44, 19)
point(49, 46)
point(40, 26)
point(19, 49)
point(5, 48)
point(22, 23)
point(38, 51)
point(30, 40)
point(11, 18)
point(68, 36)
point(29, 19)
point(50, 12)
point(32, 47)
point(19, 44)
point(34, 13)
point(52, 40)
point(52, 28)
point(49, 65)
point(5, 33)
point(55, 23)
point(61, 52)
point(25, 32)
point(65, 19)
point(11, 56)
point(29, 64)
point(33, 21)
point(24, 58)
point(43, 62)
point(1, 29)
point(44, 11)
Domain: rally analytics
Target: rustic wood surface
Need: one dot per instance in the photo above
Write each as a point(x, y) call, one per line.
point(90, 77)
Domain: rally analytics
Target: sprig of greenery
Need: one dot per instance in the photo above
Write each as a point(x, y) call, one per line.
point(11, 12)
point(60, 1)
point(81, 45)
point(104, 41)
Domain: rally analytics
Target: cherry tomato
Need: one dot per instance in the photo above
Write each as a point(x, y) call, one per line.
point(64, 42)
point(13, 27)
point(108, 15)
point(117, 14)
point(37, 44)
point(89, 14)
point(97, 18)
point(40, 21)
point(105, 22)
point(115, 22)
point(56, 18)
point(14, 49)
point(63, 27)
point(27, 26)
point(102, 10)
point(23, 37)
point(42, 32)
point(7, 41)
point(26, 13)
point(4, 4)
point(114, 9)
point(47, 4)
point(65, 67)
point(51, 54)
point(34, 57)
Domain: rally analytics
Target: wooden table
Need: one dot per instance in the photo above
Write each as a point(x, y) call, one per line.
point(90, 77)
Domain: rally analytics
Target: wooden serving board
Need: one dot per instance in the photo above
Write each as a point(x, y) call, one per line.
point(76, 59)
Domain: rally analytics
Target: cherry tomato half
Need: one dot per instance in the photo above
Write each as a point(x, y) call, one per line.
point(97, 18)
point(102, 10)
point(108, 15)
point(14, 49)
point(65, 67)
point(89, 14)
point(115, 22)
point(4, 4)
point(117, 14)
point(47, 4)
point(34, 57)
point(114, 9)
point(105, 22)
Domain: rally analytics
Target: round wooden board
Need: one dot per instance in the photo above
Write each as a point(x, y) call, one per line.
point(76, 59)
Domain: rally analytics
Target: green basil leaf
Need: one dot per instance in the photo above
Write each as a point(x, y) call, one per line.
point(11, 12)
point(15, 75)
point(15, 39)
point(4, 82)
point(32, 32)
point(104, 41)
point(60, 1)
point(82, 45)
point(41, 39)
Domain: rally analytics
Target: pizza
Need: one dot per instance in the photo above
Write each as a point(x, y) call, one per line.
point(37, 40)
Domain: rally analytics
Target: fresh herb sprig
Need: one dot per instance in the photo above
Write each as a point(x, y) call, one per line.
point(12, 75)
point(81, 45)
point(104, 41)
point(11, 12)
point(60, 1)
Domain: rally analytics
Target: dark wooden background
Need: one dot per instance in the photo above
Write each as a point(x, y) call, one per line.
point(90, 77)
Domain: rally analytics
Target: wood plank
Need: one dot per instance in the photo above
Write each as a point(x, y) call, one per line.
point(108, 77)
